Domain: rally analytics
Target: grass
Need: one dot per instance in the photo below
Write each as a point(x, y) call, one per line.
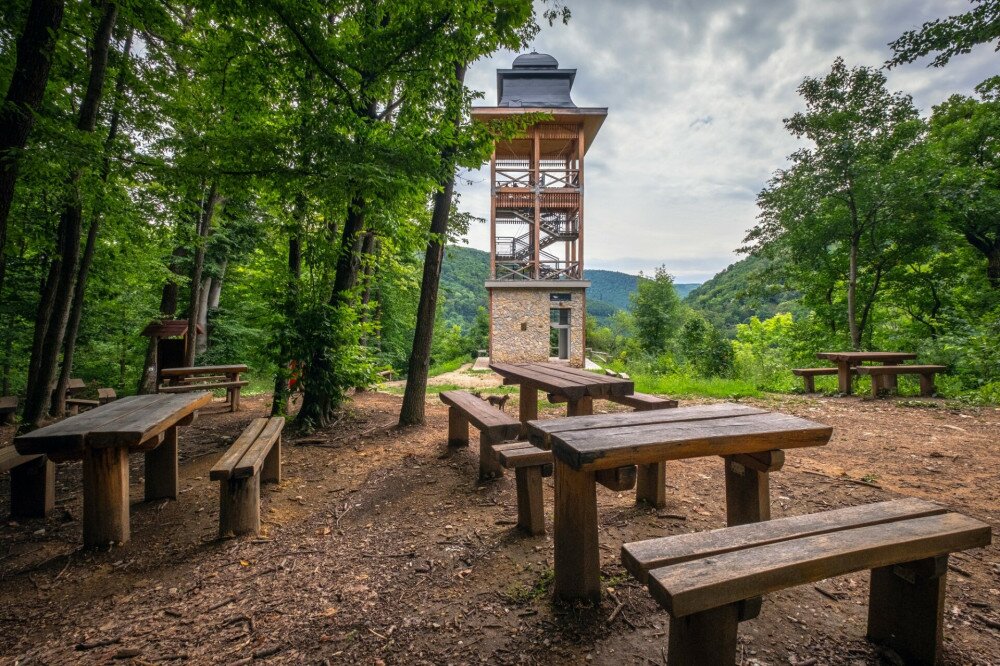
point(447, 366)
point(519, 593)
point(682, 386)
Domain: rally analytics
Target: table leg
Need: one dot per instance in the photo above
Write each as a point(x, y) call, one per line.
point(105, 496)
point(581, 407)
point(527, 407)
point(33, 488)
point(748, 494)
point(576, 556)
point(161, 469)
point(844, 376)
point(651, 484)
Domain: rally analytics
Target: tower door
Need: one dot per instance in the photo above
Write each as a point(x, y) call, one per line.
point(559, 332)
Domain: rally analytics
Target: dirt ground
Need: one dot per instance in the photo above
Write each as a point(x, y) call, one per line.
point(381, 548)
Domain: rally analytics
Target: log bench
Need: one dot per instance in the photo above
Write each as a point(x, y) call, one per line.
point(709, 581)
point(880, 373)
point(8, 407)
point(205, 378)
point(253, 458)
point(32, 483)
point(809, 376)
point(494, 427)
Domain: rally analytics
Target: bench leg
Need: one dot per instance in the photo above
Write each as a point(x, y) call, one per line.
point(239, 506)
point(527, 407)
point(234, 400)
point(271, 471)
point(105, 496)
point(707, 638)
point(33, 489)
point(577, 558)
point(651, 484)
point(530, 512)
point(458, 428)
point(927, 384)
point(810, 383)
point(748, 494)
point(489, 466)
point(581, 407)
point(890, 383)
point(906, 609)
point(161, 469)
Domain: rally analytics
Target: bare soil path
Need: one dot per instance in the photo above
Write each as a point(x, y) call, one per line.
point(381, 548)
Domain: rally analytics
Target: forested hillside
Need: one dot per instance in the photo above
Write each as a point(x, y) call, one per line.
point(747, 288)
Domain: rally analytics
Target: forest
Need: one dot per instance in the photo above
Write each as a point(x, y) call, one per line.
point(281, 176)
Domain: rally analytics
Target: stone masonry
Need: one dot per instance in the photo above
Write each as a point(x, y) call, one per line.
point(520, 322)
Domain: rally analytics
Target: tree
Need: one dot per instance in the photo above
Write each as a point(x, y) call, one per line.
point(964, 144)
point(657, 311)
point(841, 215)
point(949, 37)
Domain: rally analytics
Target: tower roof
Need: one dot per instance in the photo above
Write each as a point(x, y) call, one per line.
point(536, 81)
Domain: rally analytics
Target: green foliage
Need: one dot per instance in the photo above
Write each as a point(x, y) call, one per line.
point(657, 311)
point(951, 36)
point(703, 347)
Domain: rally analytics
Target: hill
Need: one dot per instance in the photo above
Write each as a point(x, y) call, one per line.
point(738, 293)
point(466, 269)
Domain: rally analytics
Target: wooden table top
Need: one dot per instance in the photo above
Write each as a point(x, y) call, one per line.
point(202, 370)
point(606, 441)
point(563, 379)
point(867, 356)
point(128, 421)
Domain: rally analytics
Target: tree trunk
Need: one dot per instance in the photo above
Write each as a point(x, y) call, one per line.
point(39, 392)
point(414, 396)
point(79, 294)
point(206, 286)
point(35, 47)
point(204, 221)
point(852, 295)
point(279, 401)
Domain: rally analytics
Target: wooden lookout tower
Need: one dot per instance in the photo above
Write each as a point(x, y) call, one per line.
point(536, 286)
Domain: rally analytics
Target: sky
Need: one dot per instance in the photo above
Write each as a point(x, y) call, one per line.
point(696, 92)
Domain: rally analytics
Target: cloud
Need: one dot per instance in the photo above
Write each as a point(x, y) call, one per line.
point(696, 91)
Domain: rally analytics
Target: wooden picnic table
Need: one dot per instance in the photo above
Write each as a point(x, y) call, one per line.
point(206, 377)
point(578, 386)
point(847, 360)
point(751, 440)
point(103, 438)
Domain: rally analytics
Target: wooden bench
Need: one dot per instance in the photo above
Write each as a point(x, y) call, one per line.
point(879, 373)
point(76, 405)
point(640, 402)
point(32, 483)
point(205, 378)
point(708, 581)
point(809, 376)
point(494, 427)
point(530, 464)
point(253, 458)
point(106, 395)
point(8, 407)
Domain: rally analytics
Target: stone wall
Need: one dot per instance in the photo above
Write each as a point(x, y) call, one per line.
point(520, 323)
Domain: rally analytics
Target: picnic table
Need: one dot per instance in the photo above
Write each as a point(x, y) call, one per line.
point(103, 438)
point(206, 377)
point(847, 360)
point(578, 386)
point(751, 440)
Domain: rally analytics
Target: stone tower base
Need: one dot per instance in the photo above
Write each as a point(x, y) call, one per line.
point(521, 319)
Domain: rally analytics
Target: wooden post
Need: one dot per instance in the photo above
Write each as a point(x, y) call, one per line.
point(239, 506)
point(161, 469)
point(810, 382)
point(489, 466)
point(105, 496)
point(748, 494)
point(458, 428)
point(906, 609)
point(577, 559)
point(651, 484)
point(271, 471)
point(234, 398)
point(527, 407)
point(877, 382)
point(581, 407)
point(530, 507)
point(707, 638)
point(844, 376)
point(33, 488)
point(927, 384)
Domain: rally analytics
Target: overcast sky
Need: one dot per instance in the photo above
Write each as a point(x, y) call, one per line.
point(696, 91)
